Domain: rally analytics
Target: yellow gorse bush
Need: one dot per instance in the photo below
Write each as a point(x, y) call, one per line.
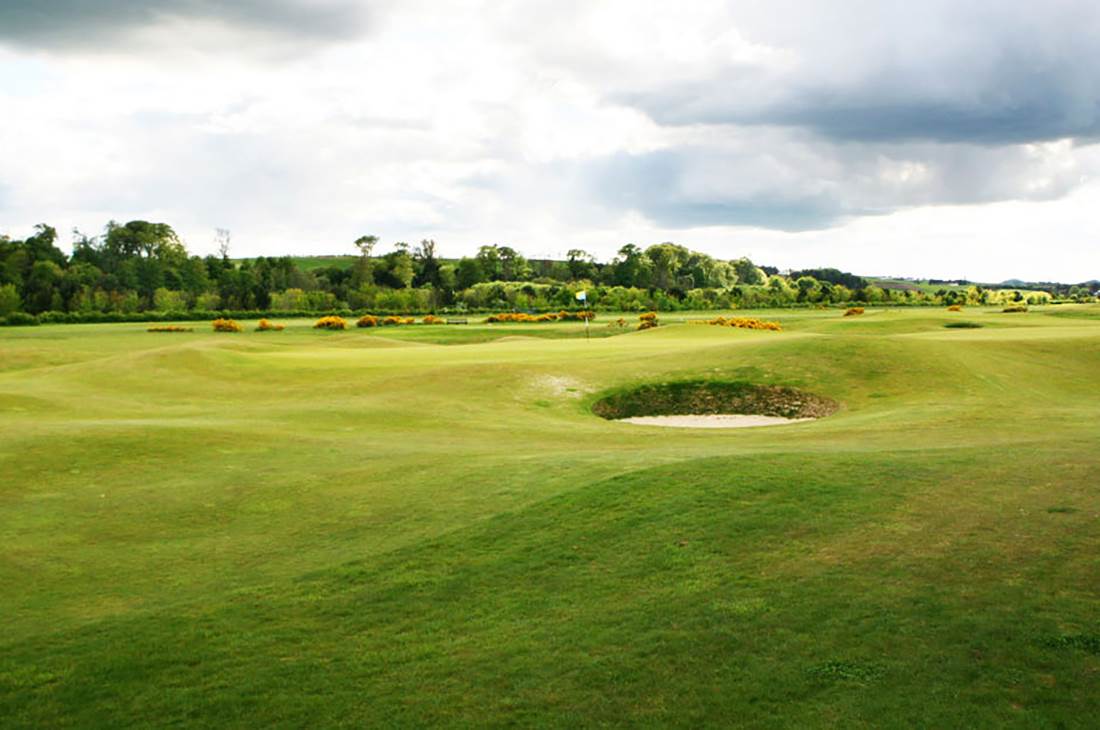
point(563, 316)
point(367, 320)
point(647, 320)
point(226, 325)
point(392, 321)
point(266, 325)
point(853, 311)
point(432, 319)
point(747, 323)
point(169, 328)
point(955, 308)
point(519, 317)
point(330, 323)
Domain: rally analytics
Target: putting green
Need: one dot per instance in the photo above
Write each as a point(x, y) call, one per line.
point(428, 525)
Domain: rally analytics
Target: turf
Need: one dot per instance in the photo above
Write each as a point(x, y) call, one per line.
point(427, 525)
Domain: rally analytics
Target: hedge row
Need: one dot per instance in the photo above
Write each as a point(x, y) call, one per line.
point(195, 315)
point(16, 319)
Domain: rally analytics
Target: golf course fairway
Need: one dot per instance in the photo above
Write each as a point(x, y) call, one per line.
point(427, 525)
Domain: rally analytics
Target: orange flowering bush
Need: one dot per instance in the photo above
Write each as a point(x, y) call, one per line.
point(955, 308)
point(432, 319)
point(563, 315)
point(853, 311)
point(266, 325)
point(647, 320)
point(748, 323)
point(170, 328)
point(226, 325)
point(330, 323)
point(511, 317)
point(367, 320)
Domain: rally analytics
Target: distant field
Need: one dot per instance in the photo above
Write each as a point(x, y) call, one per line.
point(309, 263)
point(427, 526)
point(907, 285)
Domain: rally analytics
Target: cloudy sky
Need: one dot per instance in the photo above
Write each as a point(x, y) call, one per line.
point(939, 138)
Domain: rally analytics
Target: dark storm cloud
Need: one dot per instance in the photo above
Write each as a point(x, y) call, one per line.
point(664, 186)
point(61, 25)
point(802, 185)
point(1021, 104)
point(994, 73)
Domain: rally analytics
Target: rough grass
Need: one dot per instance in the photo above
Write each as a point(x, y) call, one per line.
point(373, 528)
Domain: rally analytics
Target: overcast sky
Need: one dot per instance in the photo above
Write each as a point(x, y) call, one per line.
point(933, 138)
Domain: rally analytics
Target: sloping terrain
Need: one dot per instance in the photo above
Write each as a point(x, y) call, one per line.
point(374, 528)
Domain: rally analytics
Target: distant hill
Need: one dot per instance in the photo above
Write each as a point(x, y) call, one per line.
point(310, 263)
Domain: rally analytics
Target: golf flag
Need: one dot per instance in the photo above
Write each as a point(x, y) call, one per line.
point(582, 296)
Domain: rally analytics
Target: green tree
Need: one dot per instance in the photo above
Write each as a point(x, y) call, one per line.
point(41, 285)
point(582, 265)
point(488, 257)
point(513, 266)
point(632, 268)
point(427, 265)
point(9, 300)
point(363, 273)
point(469, 273)
point(748, 272)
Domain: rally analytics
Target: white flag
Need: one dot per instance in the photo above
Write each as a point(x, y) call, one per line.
point(582, 296)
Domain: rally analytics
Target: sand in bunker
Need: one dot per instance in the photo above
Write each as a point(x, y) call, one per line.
point(713, 421)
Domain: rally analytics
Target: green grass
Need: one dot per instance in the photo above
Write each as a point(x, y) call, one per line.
point(427, 525)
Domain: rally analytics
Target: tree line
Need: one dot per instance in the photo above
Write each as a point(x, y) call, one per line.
point(143, 267)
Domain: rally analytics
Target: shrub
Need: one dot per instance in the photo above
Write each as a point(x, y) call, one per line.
point(1015, 308)
point(853, 311)
point(226, 325)
point(748, 323)
point(331, 322)
point(55, 317)
point(20, 319)
point(647, 321)
point(955, 308)
point(367, 320)
point(392, 321)
point(170, 328)
point(266, 325)
point(620, 323)
point(409, 320)
point(512, 317)
point(432, 319)
point(584, 314)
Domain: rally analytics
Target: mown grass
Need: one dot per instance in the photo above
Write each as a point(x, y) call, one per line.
point(426, 525)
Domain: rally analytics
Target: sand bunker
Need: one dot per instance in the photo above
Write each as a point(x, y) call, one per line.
point(721, 420)
point(712, 404)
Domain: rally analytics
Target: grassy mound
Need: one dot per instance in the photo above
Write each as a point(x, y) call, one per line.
point(703, 397)
point(424, 527)
point(963, 325)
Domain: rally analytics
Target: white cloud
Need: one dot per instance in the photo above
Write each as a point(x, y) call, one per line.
point(554, 125)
